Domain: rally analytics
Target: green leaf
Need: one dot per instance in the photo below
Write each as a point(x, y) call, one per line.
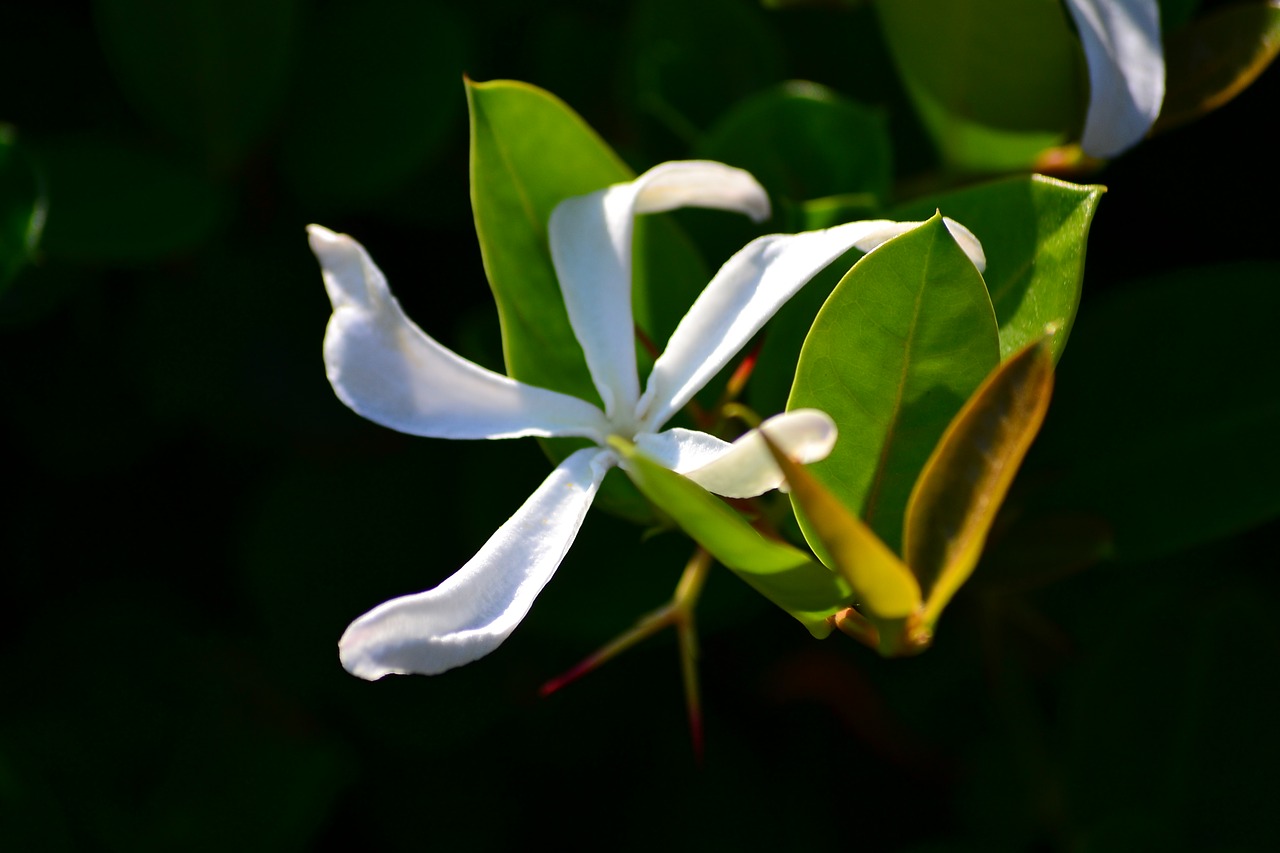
point(22, 207)
point(785, 575)
point(210, 72)
point(995, 81)
point(1214, 58)
point(688, 60)
point(883, 587)
point(1034, 231)
point(805, 141)
point(955, 500)
point(529, 152)
point(902, 342)
point(1165, 420)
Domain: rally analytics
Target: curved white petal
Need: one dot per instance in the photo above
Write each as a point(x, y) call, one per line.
point(745, 293)
point(590, 239)
point(747, 469)
point(680, 449)
point(1121, 41)
point(471, 613)
point(391, 372)
point(966, 240)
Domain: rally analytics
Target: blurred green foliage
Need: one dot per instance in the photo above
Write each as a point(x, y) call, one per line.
point(194, 518)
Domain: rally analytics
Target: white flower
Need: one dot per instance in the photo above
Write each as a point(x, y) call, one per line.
point(1126, 71)
point(388, 370)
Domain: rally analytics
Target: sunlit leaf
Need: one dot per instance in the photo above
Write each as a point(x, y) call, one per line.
point(22, 207)
point(1214, 58)
point(883, 587)
point(956, 56)
point(785, 575)
point(1034, 231)
point(529, 152)
point(804, 141)
point(955, 500)
point(515, 185)
point(1165, 419)
point(901, 343)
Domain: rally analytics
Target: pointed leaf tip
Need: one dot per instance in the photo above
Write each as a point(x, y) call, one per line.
point(883, 586)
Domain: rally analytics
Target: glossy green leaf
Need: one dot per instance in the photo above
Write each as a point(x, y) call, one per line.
point(1165, 417)
point(785, 575)
point(804, 141)
point(210, 72)
point(22, 207)
point(995, 81)
point(883, 587)
point(515, 185)
point(1214, 58)
point(901, 343)
point(955, 500)
point(529, 152)
point(1034, 231)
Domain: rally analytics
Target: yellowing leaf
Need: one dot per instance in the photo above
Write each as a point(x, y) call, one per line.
point(787, 576)
point(961, 487)
point(883, 587)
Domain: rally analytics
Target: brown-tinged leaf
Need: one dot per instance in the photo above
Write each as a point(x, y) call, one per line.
point(960, 489)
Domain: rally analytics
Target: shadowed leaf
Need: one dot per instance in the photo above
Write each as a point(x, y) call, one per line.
point(22, 207)
point(804, 141)
point(1215, 58)
point(955, 58)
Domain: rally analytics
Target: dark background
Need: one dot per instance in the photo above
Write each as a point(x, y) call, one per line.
point(193, 517)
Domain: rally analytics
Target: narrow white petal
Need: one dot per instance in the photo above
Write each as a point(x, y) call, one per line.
point(746, 468)
point(745, 293)
point(391, 372)
point(471, 613)
point(1121, 41)
point(681, 450)
point(590, 239)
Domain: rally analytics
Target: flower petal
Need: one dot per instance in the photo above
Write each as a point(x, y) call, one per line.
point(1126, 71)
point(744, 468)
point(590, 238)
point(471, 613)
point(388, 370)
point(681, 449)
point(745, 293)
